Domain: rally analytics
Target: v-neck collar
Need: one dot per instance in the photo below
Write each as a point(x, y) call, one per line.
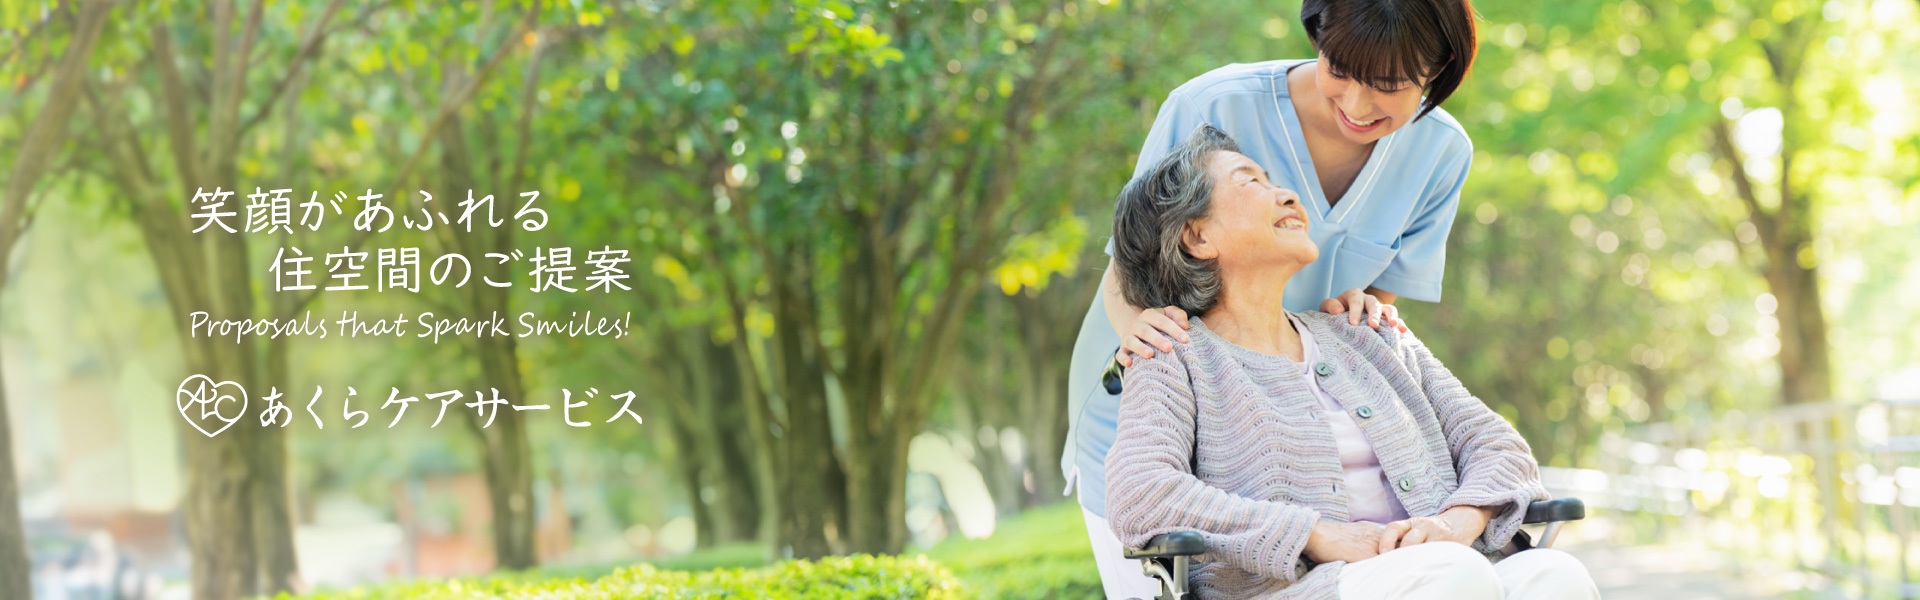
point(1303, 166)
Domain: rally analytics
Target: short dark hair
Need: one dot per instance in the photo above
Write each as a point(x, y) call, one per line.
point(1150, 217)
point(1381, 43)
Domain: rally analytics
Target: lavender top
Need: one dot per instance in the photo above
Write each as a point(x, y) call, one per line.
point(1369, 496)
point(1232, 443)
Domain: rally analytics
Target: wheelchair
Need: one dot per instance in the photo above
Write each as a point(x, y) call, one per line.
point(1168, 557)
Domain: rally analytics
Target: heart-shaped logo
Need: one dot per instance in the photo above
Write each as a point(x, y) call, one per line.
point(210, 397)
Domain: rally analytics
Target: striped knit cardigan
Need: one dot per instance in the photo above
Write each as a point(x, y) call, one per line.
point(1231, 443)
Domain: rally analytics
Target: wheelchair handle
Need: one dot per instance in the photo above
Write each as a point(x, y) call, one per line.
point(1110, 378)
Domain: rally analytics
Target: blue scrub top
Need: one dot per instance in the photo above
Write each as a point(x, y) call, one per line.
point(1389, 231)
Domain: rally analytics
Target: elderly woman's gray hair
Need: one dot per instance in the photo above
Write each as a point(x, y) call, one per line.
point(1150, 216)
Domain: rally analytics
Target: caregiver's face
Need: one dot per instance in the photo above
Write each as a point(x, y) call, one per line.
point(1366, 113)
point(1251, 221)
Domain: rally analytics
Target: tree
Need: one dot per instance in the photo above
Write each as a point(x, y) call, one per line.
point(41, 144)
point(1022, 346)
point(1787, 229)
point(238, 510)
point(238, 505)
point(508, 461)
point(1683, 70)
point(862, 240)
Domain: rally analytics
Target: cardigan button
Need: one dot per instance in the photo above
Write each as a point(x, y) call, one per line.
point(1323, 369)
point(1406, 484)
point(1365, 412)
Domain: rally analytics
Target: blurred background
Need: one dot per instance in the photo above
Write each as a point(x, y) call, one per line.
point(863, 234)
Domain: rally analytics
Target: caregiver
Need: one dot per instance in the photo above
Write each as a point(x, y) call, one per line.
point(1359, 133)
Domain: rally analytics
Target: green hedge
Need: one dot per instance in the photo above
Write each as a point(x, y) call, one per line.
point(1038, 555)
point(858, 577)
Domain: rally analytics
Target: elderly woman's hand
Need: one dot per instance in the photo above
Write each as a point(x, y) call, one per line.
point(1356, 303)
point(1154, 328)
point(1458, 524)
point(1349, 542)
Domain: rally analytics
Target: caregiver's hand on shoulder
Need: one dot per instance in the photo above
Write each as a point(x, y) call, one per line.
point(1356, 303)
point(1349, 542)
point(1155, 328)
point(1458, 524)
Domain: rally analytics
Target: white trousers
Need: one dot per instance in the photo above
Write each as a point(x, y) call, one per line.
point(1440, 570)
point(1446, 570)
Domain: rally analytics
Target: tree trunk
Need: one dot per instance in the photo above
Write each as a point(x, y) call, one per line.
point(703, 399)
point(731, 472)
point(16, 568)
point(816, 511)
point(238, 514)
point(769, 480)
point(990, 400)
point(876, 481)
point(868, 289)
point(506, 456)
point(237, 508)
point(220, 502)
point(762, 447)
point(1045, 430)
point(1806, 371)
point(1786, 231)
point(273, 496)
point(690, 467)
point(1043, 413)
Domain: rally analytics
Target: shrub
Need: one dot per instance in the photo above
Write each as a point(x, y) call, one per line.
point(1039, 554)
point(860, 577)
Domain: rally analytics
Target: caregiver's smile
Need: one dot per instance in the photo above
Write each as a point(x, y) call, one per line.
point(1359, 125)
point(1366, 111)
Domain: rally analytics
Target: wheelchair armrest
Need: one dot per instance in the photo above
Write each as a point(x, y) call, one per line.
point(1178, 543)
point(1557, 509)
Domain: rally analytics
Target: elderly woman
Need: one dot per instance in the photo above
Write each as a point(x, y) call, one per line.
point(1319, 459)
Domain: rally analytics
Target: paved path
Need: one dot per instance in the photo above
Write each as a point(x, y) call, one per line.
point(1669, 572)
point(1673, 571)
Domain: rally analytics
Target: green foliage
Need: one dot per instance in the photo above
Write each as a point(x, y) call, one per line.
point(724, 556)
point(859, 577)
point(730, 556)
point(1041, 553)
point(1598, 274)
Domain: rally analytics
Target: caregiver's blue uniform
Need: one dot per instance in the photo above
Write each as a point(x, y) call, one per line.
point(1389, 230)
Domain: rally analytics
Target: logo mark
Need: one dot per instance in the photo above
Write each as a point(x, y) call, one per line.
point(212, 398)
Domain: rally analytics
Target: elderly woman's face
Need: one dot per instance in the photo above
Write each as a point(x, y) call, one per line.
point(1251, 222)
